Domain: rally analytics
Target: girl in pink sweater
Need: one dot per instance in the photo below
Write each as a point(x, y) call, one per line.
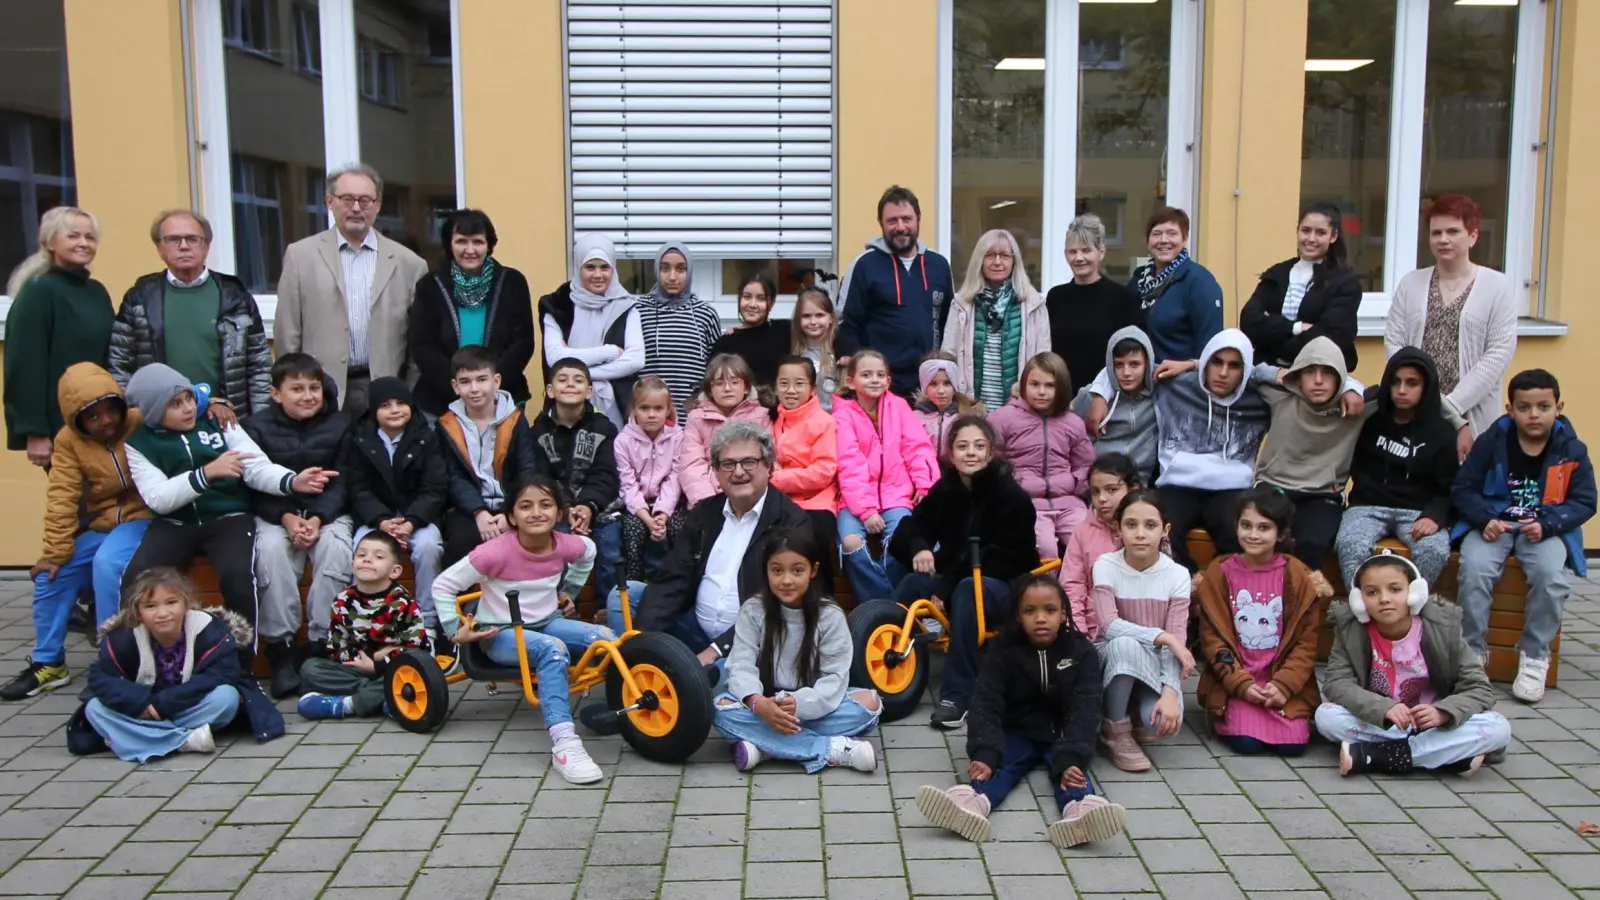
point(886, 466)
point(1049, 447)
point(1110, 479)
point(647, 465)
point(725, 395)
point(940, 400)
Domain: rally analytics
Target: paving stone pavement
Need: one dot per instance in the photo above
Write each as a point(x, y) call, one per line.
point(361, 809)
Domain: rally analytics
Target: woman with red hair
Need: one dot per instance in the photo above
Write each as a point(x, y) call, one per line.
point(1463, 315)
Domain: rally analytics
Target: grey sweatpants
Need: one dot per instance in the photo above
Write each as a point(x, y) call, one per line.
point(1363, 526)
point(278, 566)
point(324, 676)
point(1545, 565)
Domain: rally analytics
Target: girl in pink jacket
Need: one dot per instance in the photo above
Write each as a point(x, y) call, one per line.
point(940, 400)
point(1049, 447)
point(1110, 479)
point(886, 465)
point(647, 463)
point(725, 395)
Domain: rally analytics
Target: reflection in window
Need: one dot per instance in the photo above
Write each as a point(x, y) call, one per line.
point(1345, 148)
point(786, 274)
point(307, 40)
point(380, 73)
point(258, 220)
point(249, 24)
point(638, 276)
point(1467, 137)
point(997, 127)
point(36, 166)
point(1124, 60)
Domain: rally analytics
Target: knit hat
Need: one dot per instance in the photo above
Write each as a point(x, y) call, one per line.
point(388, 388)
point(153, 387)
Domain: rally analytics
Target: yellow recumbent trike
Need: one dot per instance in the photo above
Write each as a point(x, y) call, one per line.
point(891, 644)
point(655, 687)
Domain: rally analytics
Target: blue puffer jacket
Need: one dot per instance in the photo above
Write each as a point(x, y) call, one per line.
point(1185, 315)
point(1481, 493)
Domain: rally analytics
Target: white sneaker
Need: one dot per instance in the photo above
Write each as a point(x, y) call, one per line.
point(858, 755)
point(1529, 686)
point(574, 763)
point(746, 756)
point(199, 741)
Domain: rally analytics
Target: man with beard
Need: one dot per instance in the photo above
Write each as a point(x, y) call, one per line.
point(897, 294)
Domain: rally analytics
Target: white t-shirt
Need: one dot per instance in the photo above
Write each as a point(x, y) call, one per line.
point(716, 602)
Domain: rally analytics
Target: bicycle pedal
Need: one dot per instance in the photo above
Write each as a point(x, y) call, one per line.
point(925, 637)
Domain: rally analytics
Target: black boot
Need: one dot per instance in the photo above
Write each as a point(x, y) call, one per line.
point(1380, 757)
point(285, 675)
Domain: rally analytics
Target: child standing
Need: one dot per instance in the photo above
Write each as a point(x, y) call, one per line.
point(788, 694)
point(1404, 689)
point(168, 673)
point(1111, 477)
point(486, 447)
point(886, 466)
point(647, 456)
point(941, 400)
point(1259, 613)
point(373, 620)
point(1525, 490)
point(724, 395)
point(807, 441)
point(579, 444)
point(1049, 449)
point(546, 568)
point(1142, 605)
point(1037, 701)
point(815, 325)
point(1127, 423)
point(88, 474)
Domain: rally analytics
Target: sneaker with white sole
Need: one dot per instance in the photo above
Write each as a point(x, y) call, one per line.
point(746, 756)
point(858, 755)
point(960, 809)
point(199, 741)
point(35, 679)
point(574, 762)
point(1529, 686)
point(1094, 818)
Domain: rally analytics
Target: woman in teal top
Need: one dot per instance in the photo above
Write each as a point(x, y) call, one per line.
point(472, 299)
point(59, 316)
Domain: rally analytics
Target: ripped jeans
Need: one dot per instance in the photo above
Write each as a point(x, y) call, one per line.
point(551, 648)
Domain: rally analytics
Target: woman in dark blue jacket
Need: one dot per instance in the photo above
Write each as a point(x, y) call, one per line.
point(1180, 299)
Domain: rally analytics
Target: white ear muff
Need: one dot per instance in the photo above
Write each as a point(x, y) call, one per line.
point(1416, 591)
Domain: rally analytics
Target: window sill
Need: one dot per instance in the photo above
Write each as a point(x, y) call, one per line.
point(1527, 326)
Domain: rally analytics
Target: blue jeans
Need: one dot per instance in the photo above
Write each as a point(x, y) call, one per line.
point(686, 629)
point(810, 746)
point(550, 649)
point(138, 740)
point(871, 579)
point(427, 552)
point(961, 662)
point(98, 558)
point(607, 537)
point(1019, 757)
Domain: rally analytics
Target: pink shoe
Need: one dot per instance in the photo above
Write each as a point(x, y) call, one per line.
point(1116, 738)
point(1094, 818)
point(960, 809)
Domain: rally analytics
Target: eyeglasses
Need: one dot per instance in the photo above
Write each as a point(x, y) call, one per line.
point(355, 202)
point(181, 240)
point(748, 464)
point(997, 254)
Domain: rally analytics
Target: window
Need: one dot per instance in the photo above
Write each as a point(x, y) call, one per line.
point(307, 40)
point(258, 222)
point(380, 73)
point(315, 209)
point(36, 165)
point(249, 25)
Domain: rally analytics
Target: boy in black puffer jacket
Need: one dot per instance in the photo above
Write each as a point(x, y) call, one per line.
point(579, 445)
point(301, 428)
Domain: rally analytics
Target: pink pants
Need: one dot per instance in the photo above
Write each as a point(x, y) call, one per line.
point(1052, 528)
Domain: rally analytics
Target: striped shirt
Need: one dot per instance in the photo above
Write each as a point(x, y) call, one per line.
point(678, 335)
point(359, 265)
point(1300, 275)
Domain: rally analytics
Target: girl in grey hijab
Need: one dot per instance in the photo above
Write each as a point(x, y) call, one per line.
point(593, 318)
point(679, 327)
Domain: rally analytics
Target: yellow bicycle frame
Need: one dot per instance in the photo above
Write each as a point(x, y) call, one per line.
point(923, 608)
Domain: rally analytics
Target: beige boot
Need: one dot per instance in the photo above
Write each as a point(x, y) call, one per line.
point(1093, 818)
point(960, 809)
point(1116, 738)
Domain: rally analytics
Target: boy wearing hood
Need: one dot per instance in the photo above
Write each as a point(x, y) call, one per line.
point(1128, 424)
point(579, 446)
point(1400, 475)
point(300, 428)
point(88, 474)
point(486, 447)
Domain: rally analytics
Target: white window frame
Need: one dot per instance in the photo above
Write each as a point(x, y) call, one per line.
point(268, 16)
point(307, 38)
point(1061, 122)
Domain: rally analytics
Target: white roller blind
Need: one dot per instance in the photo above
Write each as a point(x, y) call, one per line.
point(707, 121)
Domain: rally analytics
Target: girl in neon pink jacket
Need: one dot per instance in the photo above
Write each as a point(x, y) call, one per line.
point(647, 465)
point(886, 465)
point(1110, 479)
point(1049, 447)
point(725, 395)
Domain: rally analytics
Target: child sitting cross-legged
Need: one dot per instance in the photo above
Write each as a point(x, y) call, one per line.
point(788, 694)
point(1037, 701)
point(1403, 690)
point(546, 569)
point(373, 620)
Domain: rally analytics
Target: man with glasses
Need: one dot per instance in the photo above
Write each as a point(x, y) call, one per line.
point(205, 324)
point(345, 294)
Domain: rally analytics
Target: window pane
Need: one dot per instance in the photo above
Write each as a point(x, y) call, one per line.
point(997, 126)
point(785, 273)
point(1123, 63)
point(408, 114)
point(1345, 149)
point(35, 123)
point(275, 126)
point(1467, 139)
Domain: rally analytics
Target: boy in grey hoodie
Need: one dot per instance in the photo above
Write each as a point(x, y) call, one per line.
point(1129, 423)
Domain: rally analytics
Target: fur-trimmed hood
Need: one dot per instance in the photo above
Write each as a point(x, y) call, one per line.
point(128, 617)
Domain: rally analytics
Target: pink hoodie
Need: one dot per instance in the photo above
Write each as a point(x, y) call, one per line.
point(1051, 456)
point(694, 456)
point(881, 466)
point(649, 468)
point(1088, 543)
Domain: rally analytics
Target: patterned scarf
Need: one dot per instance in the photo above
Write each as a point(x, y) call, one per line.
point(1149, 283)
point(472, 290)
point(999, 314)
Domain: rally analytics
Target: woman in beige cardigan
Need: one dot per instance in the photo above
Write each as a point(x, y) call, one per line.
point(1462, 314)
point(997, 310)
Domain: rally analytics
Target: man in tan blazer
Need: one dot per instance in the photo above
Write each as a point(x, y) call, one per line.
point(345, 294)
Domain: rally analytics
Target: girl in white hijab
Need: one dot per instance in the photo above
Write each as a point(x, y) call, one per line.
point(592, 318)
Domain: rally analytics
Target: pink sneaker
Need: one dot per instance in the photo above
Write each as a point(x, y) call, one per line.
point(1116, 738)
point(1094, 818)
point(960, 809)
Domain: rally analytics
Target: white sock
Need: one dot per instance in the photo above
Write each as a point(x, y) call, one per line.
point(562, 732)
point(349, 705)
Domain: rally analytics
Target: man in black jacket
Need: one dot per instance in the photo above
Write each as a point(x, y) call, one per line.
point(301, 428)
point(204, 324)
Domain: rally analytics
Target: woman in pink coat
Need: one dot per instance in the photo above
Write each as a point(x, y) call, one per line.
point(724, 396)
point(647, 465)
point(1049, 447)
point(886, 465)
point(1110, 479)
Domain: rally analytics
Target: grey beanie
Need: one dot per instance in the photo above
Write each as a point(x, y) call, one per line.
point(153, 387)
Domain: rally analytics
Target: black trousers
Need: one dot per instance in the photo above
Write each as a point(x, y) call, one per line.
point(825, 531)
point(228, 544)
point(1315, 526)
point(460, 537)
point(1212, 510)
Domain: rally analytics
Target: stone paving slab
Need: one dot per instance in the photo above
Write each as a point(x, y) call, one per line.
point(361, 810)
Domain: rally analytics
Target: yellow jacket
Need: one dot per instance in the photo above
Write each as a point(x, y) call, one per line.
point(91, 487)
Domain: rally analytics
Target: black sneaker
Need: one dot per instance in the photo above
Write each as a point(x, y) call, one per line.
point(36, 678)
point(948, 714)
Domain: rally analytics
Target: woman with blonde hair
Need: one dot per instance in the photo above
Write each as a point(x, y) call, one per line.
point(1086, 311)
point(997, 320)
point(59, 316)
